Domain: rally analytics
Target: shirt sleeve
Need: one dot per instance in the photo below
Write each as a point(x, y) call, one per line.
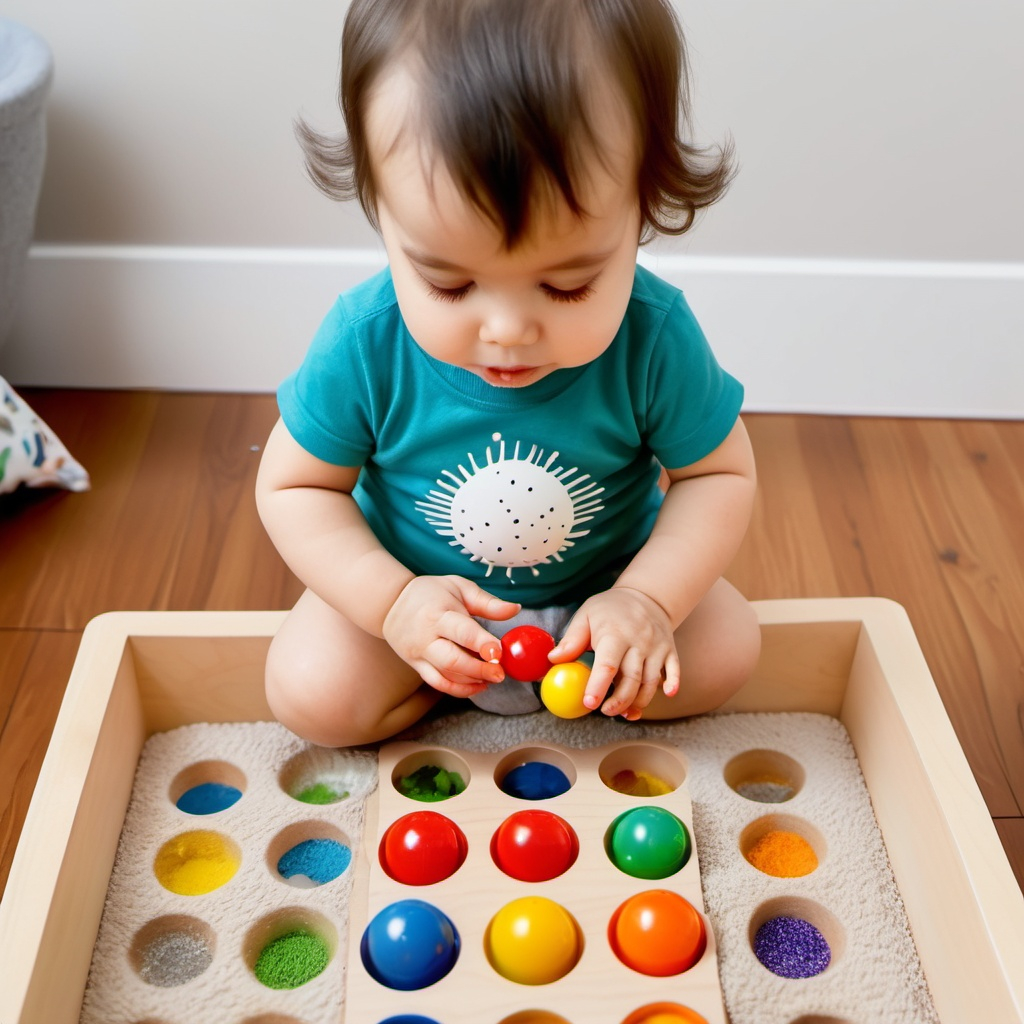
point(692, 403)
point(326, 404)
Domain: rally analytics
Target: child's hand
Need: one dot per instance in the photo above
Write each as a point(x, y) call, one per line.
point(430, 626)
point(633, 645)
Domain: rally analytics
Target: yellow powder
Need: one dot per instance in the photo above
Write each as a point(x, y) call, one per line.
point(195, 863)
point(783, 854)
point(639, 783)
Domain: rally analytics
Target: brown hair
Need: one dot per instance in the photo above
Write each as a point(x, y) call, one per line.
point(503, 91)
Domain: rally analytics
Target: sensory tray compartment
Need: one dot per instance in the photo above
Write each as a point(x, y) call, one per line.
point(600, 987)
point(857, 659)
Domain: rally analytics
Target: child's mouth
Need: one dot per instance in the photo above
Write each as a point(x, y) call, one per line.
point(510, 376)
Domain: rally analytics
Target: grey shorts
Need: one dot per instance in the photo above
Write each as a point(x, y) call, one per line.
point(511, 697)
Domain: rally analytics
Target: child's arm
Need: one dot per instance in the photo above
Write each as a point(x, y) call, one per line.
point(309, 513)
point(699, 528)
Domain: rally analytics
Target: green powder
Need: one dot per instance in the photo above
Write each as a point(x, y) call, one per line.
point(292, 959)
point(320, 793)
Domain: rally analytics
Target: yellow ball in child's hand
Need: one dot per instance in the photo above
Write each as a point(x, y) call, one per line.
point(562, 689)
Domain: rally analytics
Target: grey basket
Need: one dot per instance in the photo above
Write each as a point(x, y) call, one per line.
point(26, 73)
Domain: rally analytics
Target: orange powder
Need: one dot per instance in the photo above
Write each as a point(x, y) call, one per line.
point(783, 854)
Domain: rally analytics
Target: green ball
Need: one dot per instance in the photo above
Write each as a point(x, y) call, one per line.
point(648, 842)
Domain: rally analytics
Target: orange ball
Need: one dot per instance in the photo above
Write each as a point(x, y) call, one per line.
point(664, 1013)
point(658, 933)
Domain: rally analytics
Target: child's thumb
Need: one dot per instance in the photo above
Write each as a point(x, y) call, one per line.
point(575, 641)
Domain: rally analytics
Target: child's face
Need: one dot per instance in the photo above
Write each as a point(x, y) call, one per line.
point(510, 316)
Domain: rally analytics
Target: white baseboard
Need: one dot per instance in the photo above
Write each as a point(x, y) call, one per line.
point(826, 336)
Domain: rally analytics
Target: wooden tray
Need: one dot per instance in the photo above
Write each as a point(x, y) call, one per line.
point(856, 659)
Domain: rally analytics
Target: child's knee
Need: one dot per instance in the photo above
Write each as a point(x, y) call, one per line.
point(738, 656)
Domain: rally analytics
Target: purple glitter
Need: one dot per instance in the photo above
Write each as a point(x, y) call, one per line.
point(791, 948)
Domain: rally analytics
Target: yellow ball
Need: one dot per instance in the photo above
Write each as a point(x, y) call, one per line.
point(562, 689)
point(533, 941)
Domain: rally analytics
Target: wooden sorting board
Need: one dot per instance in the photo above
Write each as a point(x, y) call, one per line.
point(600, 989)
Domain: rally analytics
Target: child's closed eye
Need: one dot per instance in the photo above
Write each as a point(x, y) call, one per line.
point(580, 294)
point(447, 294)
point(569, 294)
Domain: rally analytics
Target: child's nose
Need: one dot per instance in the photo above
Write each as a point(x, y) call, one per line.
point(507, 326)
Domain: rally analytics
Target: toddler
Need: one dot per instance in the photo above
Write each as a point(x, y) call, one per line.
point(476, 435)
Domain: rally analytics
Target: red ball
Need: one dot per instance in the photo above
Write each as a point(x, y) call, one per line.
point(524, 653)
point(422, 848)
point(534, 846)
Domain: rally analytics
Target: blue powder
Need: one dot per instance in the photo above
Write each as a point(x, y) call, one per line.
point(208, 798)
point(320, 860)
point(535, 780)
point(792, 948)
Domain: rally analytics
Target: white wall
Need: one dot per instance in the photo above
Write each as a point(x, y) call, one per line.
point(877, 220)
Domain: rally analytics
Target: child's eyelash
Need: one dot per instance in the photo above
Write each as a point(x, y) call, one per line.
point(447, 294)
point(557, 294)
point(571, 295)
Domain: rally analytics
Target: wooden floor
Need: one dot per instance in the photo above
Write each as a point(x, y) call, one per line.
point(927, 512)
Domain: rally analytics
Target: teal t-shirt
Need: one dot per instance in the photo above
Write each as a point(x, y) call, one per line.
point(532, 492)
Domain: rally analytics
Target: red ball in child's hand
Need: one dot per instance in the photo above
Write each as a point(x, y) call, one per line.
point(524, 653)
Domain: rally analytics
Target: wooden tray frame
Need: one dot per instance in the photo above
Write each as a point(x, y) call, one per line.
point(856, 659)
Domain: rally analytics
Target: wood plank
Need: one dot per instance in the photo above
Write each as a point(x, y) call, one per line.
point(34, 670)
point(170, 522)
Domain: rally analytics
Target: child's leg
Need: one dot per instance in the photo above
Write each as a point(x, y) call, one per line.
point(718, 647)
point(332, 683)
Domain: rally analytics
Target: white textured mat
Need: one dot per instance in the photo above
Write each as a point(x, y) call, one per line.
point(874, 977)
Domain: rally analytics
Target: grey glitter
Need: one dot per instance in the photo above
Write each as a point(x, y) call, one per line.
point(766, 792)
point(173, 959)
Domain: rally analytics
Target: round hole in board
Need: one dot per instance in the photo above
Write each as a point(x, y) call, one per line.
point(765, 776)
point(207, 787)
point(309, 854)
point(197, 862)
point(794, 937)
point(535, 773)
point(431, 775)
point(172, 950)
point(321, 775)
point(642, 770)
point(289, 947)
point(783, 846)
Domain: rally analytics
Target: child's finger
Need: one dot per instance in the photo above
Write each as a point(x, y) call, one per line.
point(455, 661)
point(575, 641)
point(607, 658)
point(469, 635)
point(478, 602)
point(672, 675)
point(627, 685)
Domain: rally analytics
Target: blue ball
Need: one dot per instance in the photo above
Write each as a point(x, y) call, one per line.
point(409, 945)
point(409, 1018)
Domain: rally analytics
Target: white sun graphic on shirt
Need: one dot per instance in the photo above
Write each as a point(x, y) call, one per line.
point(515, 511)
